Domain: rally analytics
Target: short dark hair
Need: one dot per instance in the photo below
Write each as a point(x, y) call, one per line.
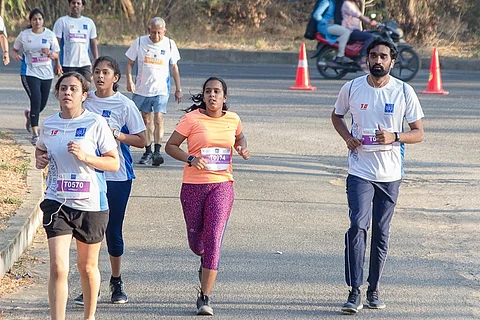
point(84, 2)
point(113, 65)
point(382, 41)
point(83, 81)
point(34, 12)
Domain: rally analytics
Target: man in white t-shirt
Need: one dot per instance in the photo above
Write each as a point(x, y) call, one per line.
point(77, 36)
point(379, 105)
point(4, 42)
point(157, 58)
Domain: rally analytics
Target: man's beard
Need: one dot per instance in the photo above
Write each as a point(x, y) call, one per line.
point(378, 72)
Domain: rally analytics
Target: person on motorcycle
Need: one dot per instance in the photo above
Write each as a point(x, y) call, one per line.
point(352, 19)
point(324, 14)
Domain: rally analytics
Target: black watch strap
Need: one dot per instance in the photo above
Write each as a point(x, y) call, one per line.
point(190, 159)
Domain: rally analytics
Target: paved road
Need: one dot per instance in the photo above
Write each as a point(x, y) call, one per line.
point(290, 199)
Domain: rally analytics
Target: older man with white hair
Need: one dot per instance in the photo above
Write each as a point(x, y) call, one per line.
point(157, 58)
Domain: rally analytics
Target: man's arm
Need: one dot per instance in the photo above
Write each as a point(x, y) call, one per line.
point(130, 83)
point(415, 134)
point(176, 79)
point(340, 126)
point(4, 44)
point(94, 48)
point(57, 67)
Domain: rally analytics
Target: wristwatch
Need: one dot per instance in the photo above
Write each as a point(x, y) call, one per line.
point(397, 136)
point(190, 159)
point(116, 133)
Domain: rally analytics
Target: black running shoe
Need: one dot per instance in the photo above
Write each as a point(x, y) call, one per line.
point(118, 295)
point(203, 305)
point(343, 60)
point(146, 158)
point(79, 300)
point(157, 159)
point(354, 302)
point(373, 302)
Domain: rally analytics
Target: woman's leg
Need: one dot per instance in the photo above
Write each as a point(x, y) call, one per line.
point(45, 87)
point(118, 193)
point(28, 124)
point(218, 206)
point(34, 85)
point(192, 197)
point(59, 249)
point(89, 276)
point(343, 35)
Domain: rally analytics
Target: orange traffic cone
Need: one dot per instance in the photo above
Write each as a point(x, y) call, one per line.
point(303, 78)
point(434, 85)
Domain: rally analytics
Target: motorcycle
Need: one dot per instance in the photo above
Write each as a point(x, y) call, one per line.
point(406, 67)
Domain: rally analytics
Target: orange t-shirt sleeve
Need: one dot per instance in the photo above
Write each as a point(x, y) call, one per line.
point(184, 127)
point(239, 128)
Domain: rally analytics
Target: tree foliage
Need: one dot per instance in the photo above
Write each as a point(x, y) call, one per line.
point(420, 19)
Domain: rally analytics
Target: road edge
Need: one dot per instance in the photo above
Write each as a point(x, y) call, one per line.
point(23, 225)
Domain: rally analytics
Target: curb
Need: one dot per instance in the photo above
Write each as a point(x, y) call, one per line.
point(22, 226)
point(269, 57)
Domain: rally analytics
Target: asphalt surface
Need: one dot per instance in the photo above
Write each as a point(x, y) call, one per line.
point(283, 249)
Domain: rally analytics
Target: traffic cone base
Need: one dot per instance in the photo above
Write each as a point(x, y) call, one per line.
point(302, 81)
point(434, 85)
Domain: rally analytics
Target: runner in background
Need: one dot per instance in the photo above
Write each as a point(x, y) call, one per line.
point(157, 58)
point(128, 129)
point(35, 47)
point(77, 36)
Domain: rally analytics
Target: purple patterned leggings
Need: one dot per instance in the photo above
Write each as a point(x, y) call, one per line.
point(206, 208)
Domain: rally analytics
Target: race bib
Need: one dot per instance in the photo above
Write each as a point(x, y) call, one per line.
point(217, 158)
point(370, 142)
point(39, 59)
point(153, 61)
point(73, 186)
point(78, 35)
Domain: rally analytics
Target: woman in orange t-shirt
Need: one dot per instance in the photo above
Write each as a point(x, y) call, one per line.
point(207, 195)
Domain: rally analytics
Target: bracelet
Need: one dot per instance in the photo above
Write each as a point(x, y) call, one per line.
point(178, 90)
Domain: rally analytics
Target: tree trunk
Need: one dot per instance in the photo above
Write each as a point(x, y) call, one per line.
point(411, 18)
point(129, 10)
point(362, 6)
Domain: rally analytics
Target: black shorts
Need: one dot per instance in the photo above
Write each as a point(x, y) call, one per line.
point(85, 226)
point(85, 71)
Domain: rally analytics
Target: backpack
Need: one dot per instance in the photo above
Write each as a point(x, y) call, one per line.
point(338, 12)
point(311, 29)
point(312, 24)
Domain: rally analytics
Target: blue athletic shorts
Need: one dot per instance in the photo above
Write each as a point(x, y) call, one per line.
point(149, 104)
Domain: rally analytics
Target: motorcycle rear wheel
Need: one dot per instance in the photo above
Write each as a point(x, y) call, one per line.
point(325, 56)
point(407, 65)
